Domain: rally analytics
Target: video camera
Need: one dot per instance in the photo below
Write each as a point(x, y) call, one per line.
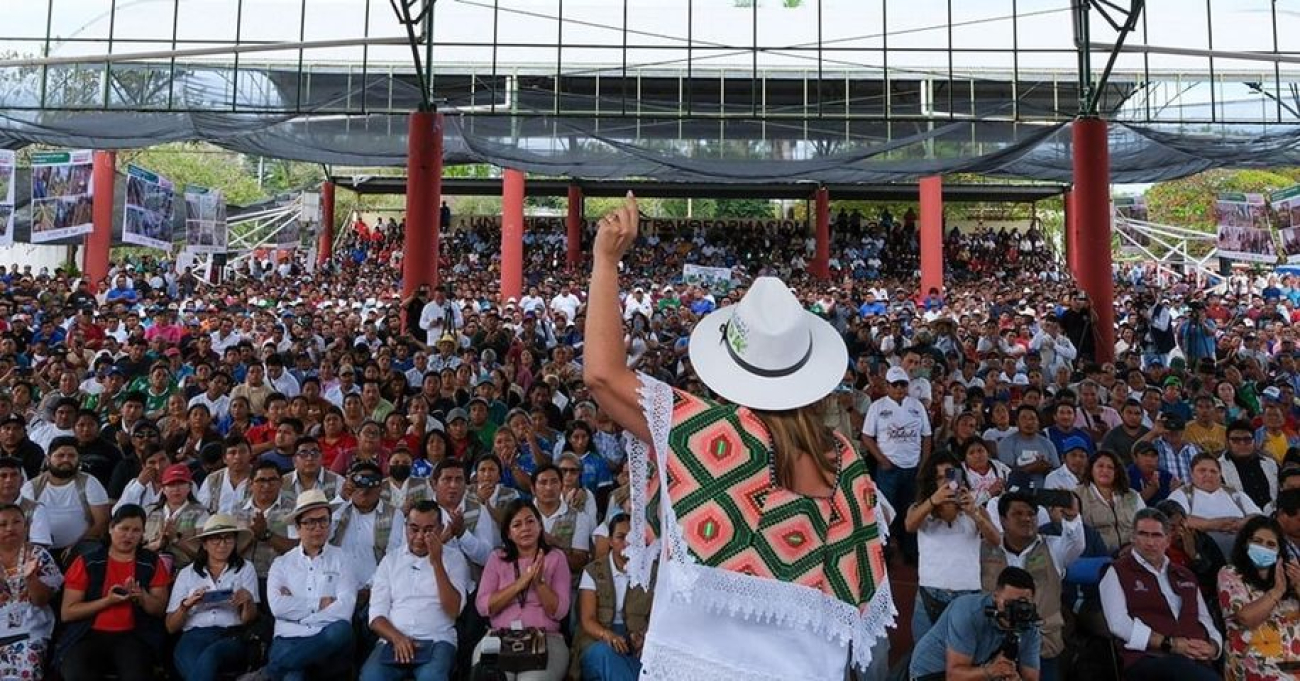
point(1019, 616)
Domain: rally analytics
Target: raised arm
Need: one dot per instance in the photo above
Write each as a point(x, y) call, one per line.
point(604, 365)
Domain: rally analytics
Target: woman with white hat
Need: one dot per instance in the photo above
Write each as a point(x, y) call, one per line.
point(773, 563)
point(211, 598)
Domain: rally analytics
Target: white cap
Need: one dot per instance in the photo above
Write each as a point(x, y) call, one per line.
point(896, 374)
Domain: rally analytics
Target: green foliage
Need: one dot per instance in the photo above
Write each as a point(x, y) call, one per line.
point(199, 164)
point(1189, 202)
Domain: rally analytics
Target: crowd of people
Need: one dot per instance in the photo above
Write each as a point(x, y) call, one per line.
point(297, 473)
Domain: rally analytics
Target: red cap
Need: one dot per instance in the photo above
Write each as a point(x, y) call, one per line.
point(177, 472)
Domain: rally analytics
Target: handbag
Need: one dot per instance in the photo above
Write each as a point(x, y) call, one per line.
point(522, 650)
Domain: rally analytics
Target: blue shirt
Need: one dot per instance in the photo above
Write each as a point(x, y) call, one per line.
point(595, 471)
point(1135, 481)
point(965, 629)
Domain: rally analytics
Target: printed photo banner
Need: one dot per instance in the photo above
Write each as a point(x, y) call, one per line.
point(205, 220)
point(62, 191)
point(1131, 208)
point(1244, 232)
point(1286, 204)
point(147, 216)
point(7, 163)
point(716, 279)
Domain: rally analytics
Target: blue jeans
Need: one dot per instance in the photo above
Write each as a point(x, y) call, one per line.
point(203, 653)
point(600, 662)
point(436, 669)
point(290, 658)
point(921, 622)
point(898, 485)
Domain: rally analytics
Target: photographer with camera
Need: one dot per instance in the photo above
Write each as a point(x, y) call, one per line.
point(1045, 557)
point(1196, 334)
point(983, 637)
point(1155, 608)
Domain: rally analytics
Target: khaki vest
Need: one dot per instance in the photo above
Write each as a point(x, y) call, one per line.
point(1113, 523)
point(384, 516)
point(40, 482)
point(1047, 588)
point(218, 482)
point(636, 608)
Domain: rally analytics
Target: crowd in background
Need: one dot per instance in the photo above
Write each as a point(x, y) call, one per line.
point(299, 471)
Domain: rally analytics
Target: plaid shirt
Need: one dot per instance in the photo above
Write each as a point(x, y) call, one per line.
point(1178, 463)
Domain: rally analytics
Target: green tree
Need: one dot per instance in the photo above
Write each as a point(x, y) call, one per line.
point(200, 164)
point(1189, 202)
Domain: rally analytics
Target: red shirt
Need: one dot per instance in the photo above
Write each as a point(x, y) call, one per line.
point(329, 452)
point(261, 434)
point(120, 617)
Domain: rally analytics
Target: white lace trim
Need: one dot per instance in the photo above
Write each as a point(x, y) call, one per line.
point(665, 663)
point(731, 593)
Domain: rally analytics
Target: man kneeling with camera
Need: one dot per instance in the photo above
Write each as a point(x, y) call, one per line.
point(984, 636)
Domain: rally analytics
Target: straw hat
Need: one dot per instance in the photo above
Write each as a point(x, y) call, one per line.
point(219, 524)
point(768, 352)
point(311, 499)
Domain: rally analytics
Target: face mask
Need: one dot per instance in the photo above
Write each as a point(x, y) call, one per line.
point(1262, 557)
point(400, 472)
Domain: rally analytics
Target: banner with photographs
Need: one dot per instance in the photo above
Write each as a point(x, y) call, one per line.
point(62, 191)
point(205, 220)
point(6, 197)
point(715, 279)
point(147, 216)
point(1286, 204)
point(1126, 208)
point(1244, 232)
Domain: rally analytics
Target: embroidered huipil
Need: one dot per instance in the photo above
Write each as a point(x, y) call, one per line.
point(756, 582)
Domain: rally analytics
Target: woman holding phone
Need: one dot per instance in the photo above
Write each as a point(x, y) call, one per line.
point(211, 599)
point(113, 604)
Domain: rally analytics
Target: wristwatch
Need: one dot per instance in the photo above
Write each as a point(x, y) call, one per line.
point(1167, 645)
point(264, 536)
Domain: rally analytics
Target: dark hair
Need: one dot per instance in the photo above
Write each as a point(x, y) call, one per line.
point(1240, 425)
point(544, 468)
point(927, 478)
point(1240, 560)
point(613, 522)
point(1288, 501)
point(16, 508)
point(427, 506)
point(510, 552)
point(261, 464)
point(273, 397)
point(62, 441)
point(126, 512)
point(235, 563)
point(1204, 456)
point(1121, 484)
point(1016, 578)
point(295, 424)
point(134, 396)
point(446, 443)
point(10, 462)
point(449, 463)
point(1005, 501)
point(489, 456)
point(1026, 408)
point(233, 441)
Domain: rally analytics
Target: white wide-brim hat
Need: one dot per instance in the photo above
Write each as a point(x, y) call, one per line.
point(767, 352)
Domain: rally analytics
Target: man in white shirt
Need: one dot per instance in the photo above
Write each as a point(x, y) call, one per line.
point(532, 302)
point(216, 398)
point(1144, 597)
point(225, 337)
point(472, 530)
point(75, 502)
point(45, 432)
point(896, 432)
point(1070, 473)
point(366, 528)
point(313, 593)
point(415, 596)
point(566, 529)
point(440, 316)
point(637, 303)
point(566, 302)
point(281, 381)
point(225, 490)
point(1056, 349)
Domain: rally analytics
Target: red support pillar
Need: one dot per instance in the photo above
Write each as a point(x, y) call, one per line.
point(99, 242)
point(1091, 204)
point(512, 235)
point(931, 234)
point(325, 245)
point(423, 198)
point(821, 265)
point(573, 227)
point(1071, 239)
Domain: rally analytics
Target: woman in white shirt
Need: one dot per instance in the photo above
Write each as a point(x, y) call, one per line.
point(31, 578)
point(1212, 508)
point(210, 599)
point(984, 475)
point(1000, 417)
point(949, 526)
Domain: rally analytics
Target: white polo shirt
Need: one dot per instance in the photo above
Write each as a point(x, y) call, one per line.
point(222, 614)
point(898, 429)
point(297, 583)
point(405, 590)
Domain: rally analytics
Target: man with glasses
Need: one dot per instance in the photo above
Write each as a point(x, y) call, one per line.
point(313, 592)
point(1156, 609)
point(267, 512)
point(416, 595)
point(132, 463)
point(363, 527)
point(896, 432)
point(308, 473)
